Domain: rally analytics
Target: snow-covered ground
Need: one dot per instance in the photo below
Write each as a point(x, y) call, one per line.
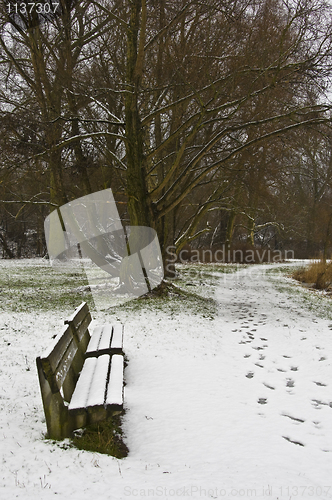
point(235, 405)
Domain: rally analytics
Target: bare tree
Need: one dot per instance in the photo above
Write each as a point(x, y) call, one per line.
point(179, 105)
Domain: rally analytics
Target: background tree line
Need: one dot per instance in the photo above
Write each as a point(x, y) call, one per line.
point(209, 120)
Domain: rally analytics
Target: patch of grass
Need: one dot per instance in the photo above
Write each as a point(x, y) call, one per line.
point(317, 303)
point(313, 300)
point(172, 300)
point(192, 291)
point(27, 285)
point(30, 284)
point(200, 270)
point(281, 270)
point(105, 437)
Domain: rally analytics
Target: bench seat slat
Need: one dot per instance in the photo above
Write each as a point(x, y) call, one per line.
point(97, 390)
point(115, 385)
point(81, 392)
point(95, 339)
point(105, 340)
point(117, 338)
point(100, 342)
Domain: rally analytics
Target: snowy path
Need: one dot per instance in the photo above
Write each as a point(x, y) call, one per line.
point(235, 407)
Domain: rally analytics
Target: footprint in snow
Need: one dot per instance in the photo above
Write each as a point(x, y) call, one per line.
point(295, 419)
point(269, 386)
point(290, 383)
point(318, 404)
point(292, 441)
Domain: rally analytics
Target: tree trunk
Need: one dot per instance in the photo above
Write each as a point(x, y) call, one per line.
point(327, 239)
point(140, 212)
point(5, 247)
point(230, 230)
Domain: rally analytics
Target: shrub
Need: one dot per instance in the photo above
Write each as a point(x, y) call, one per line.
point(318, 273)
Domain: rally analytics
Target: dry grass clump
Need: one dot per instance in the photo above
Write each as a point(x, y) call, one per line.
point(318, 274)
point(104, 437)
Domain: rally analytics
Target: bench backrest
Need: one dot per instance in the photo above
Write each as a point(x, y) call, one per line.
point(79, 321)
point(63, 361)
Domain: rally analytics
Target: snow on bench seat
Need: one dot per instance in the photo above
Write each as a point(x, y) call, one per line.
point(94, 341)
point(100, 383)
point(117, 338)
point(81, 392)
point(115, 385)
point(105, 339)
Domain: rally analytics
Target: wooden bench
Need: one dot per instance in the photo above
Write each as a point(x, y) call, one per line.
point(81, 375)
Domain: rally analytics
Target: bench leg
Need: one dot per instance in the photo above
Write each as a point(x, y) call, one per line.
point(56, 413)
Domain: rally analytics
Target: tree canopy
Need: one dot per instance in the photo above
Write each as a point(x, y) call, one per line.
point(209, 120)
